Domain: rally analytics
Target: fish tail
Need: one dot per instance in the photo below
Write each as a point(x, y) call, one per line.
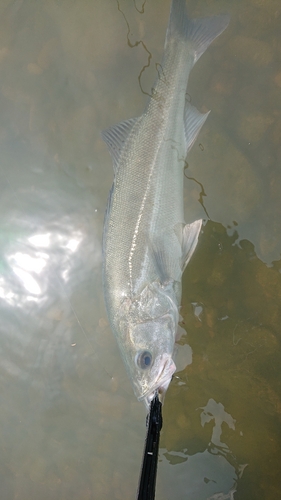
point(198, 33)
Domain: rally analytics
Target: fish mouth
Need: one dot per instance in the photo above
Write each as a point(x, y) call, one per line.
point(162, 382)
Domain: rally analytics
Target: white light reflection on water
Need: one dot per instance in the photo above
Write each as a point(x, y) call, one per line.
point(28, 263)
point(40, 240)
point(24, 265)
point(28, 273)
point(28, 281)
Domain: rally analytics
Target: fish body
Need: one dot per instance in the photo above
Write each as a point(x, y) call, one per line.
point(146, 243)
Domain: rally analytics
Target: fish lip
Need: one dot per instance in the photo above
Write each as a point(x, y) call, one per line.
point(170, 368)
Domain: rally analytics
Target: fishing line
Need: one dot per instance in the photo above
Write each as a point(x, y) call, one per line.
point(111, 377)
point(93, 351)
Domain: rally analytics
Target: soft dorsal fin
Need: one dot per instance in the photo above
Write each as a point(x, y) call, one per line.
point(193, 121)
point(115, 138)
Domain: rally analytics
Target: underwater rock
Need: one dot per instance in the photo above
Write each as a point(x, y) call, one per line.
point(222, 83)
point(277, 79)
point(252, 126)
point(257, 22)
point(250, 96)
point(48, 53)
point(250, 51)
point(268, 5)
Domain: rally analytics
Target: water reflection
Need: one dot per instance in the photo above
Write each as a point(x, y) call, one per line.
point(215, 411)
point(33, 262)
point(203, 476)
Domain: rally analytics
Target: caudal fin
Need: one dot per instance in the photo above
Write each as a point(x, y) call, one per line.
point(199, 33)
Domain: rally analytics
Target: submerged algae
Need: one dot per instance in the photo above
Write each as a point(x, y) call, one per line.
point(236, 345)
point(251, 51)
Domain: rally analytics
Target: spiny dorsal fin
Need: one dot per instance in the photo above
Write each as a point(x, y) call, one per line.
point(115, 138)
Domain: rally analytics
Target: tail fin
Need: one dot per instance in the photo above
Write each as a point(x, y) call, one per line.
point(199, 33)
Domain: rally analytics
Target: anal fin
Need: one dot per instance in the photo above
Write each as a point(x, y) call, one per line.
point(193, 121)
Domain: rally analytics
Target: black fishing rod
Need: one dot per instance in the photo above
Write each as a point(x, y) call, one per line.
point(147, 482)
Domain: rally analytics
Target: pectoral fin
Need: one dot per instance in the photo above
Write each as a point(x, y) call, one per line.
point(166, 264)
point(190, 236)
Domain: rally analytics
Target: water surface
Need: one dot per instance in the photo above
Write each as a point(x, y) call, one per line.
point(70, 424)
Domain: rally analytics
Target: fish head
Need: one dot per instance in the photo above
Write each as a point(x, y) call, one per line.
point(148, 356)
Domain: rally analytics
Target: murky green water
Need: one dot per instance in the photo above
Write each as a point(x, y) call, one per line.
point(70, 427)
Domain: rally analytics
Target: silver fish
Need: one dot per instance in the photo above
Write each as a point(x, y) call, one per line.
point(146, 243)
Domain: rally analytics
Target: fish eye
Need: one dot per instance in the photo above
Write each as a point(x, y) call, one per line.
point(144, 360)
